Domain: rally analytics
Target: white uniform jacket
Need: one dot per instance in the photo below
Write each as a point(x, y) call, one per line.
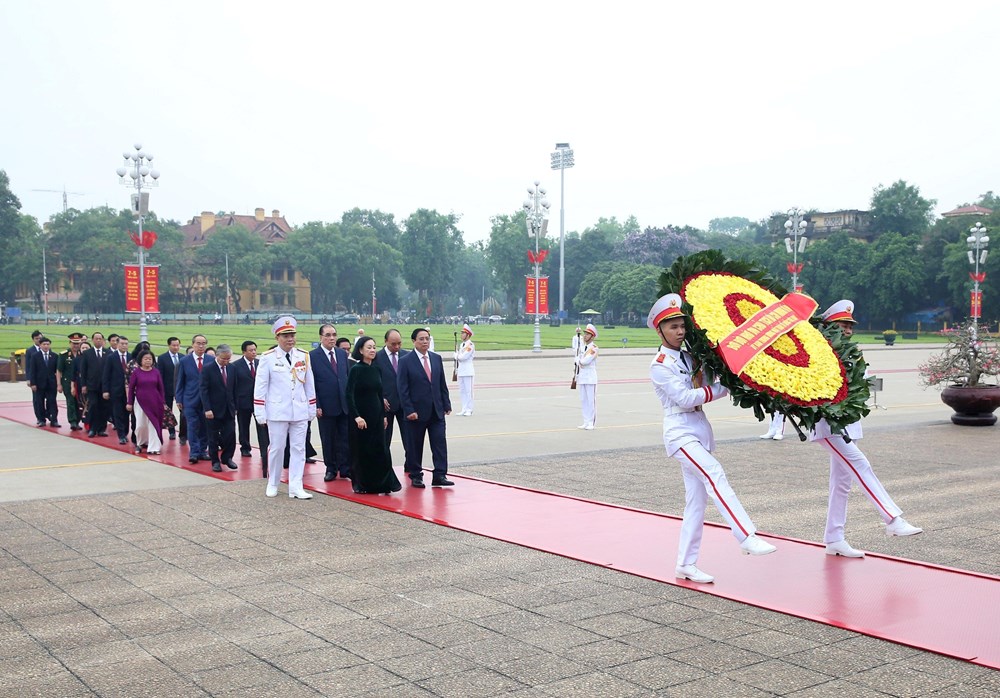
point(683, 420)
point(466, 353)
point(284, 392)
point(587, 360)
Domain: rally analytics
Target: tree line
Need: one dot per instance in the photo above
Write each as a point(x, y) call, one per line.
point(424, 266)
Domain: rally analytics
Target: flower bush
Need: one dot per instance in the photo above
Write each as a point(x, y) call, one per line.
point(965, 360)
point(888, 333)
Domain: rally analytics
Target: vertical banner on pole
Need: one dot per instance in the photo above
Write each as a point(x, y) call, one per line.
point(152, 288)
point(976, 304)
point(132, 304)
point(543, 295)
point(132, 288)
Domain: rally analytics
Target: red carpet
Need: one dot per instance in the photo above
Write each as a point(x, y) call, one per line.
point(929, 607)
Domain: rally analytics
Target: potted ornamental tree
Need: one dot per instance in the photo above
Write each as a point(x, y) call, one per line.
point(889, 336)
point(971, 357)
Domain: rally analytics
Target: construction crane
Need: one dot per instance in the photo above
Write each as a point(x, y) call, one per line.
point(64, 193)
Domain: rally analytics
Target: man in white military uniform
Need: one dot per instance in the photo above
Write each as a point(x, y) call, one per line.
point(284, 398)
point(688, 437)
point(848, 463)
point(466, 373)
point(586, 378)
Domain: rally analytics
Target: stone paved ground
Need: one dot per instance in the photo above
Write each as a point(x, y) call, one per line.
point(216, 591)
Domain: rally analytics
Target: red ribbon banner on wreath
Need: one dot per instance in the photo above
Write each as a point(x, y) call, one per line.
point(761, 330)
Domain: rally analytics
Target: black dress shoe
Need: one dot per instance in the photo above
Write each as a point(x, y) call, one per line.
point(39, 424)
point(417, 482)
point(216, 468)
point(193, 459)
point(173, 436)
point(102, 433)
point(441, 482)
point(245, 454)
point(204, 456)
point(329, 475)
point(122, 440)
point(346, 475)
point(310, 460)
point(91, 433)
point(231, 464)
point(55, 425)
point(76, 427)
point(184, 441)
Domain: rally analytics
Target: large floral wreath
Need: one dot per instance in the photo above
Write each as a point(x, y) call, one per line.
point(810, 373)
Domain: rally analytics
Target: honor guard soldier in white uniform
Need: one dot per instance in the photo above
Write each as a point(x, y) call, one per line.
point(688, 437)
point(848, 463)
point(586, 379)
point(466, 373)
point(284, 398)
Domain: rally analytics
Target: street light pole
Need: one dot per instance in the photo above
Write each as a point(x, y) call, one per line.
point(535, 210)
point(795, 241)
point(562, 159)
point(136, 167)
point(978, 241)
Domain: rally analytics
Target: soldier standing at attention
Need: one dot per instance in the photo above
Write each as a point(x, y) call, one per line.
point(586, 379)
point(65, 373)
point(466, 372)
point(284, 398)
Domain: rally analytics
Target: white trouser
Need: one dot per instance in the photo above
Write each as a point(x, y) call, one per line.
point(145, 434)
point(588, 403)
point(295, 432)
point(777, 424)
point(465, 389)
point(704, 478)
point(848, 463)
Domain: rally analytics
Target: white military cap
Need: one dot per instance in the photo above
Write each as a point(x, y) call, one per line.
point(466, 328)
point(284, 325)
point(591, 329)
point(667, 307)
point(841, 311)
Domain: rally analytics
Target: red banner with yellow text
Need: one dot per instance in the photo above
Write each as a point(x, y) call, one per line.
point(976, 304)
point(543, 296)
point(762, 329)
point(132, 288)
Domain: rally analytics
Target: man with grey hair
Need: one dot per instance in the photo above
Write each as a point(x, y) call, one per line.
point(218, 400)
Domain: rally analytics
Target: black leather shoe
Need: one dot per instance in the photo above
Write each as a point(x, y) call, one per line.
point(76, 427)
point(173, 436)
point(417, 482)
point(122, 441)
point(216, 468)
point(329, 476)
point(441, 482)
point(102, 433)
point(345, 476)
point(193, 459)
point(91, 433)
point(55, 425)
point(245, 454)
point(310, 460)
point(232, 465)
point(39, 424)
point(204, 456)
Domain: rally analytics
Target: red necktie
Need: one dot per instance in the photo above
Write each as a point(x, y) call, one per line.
point(224, 381)
point(124, 365)
point(199, 364)
point(333, 361)
point(253, 370)
point(427, 367)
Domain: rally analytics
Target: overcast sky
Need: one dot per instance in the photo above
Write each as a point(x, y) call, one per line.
point(677, 112)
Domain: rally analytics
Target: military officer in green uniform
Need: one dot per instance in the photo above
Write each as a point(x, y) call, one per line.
point(64, 379)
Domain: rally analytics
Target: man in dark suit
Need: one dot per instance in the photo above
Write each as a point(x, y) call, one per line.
point(219, 403)
point(167, 364)
point(91, 378)
point(187, 393)
point(329, 366)
point(30, 352)
point(423, 394)
point(43, 383)
point(245, 371)
point(114, 383)
point(387, 361)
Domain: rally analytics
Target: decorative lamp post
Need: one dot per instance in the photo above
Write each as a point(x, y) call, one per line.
point(978, 241)
point(562, 159)
point(536, 209)
point(795, 242)
point(136, 173)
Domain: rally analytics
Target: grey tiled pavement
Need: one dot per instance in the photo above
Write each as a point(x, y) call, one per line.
point(213, 590)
